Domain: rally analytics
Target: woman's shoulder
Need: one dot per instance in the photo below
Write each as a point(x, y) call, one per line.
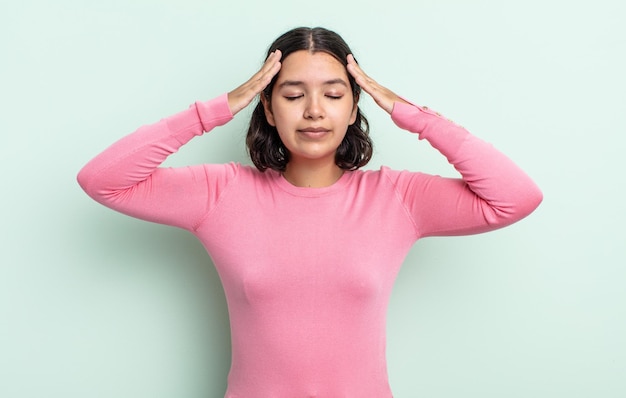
point(388, 179)
point(235, 171)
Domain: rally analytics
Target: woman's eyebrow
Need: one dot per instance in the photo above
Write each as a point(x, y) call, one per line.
point(288, 83)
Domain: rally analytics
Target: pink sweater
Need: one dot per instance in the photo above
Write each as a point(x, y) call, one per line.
point(308, 272)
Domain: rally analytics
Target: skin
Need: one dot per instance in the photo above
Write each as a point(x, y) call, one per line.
point(311, 93)
point(311, 107)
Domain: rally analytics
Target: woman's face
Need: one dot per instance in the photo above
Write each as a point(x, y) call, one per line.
point(311, 105)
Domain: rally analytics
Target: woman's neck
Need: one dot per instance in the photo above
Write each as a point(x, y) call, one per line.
point(312, 175)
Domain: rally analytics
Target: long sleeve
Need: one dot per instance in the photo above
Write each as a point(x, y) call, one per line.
point(126, 176)
point(493, 192)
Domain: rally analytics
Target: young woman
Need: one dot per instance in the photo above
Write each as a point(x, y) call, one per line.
point(306, 245)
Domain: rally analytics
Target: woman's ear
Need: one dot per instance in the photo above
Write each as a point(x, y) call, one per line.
point(267, 107)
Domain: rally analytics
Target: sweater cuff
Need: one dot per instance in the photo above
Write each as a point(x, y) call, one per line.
point(200, 117)
point(215, 112)
point(441, 133)
point(411, 117)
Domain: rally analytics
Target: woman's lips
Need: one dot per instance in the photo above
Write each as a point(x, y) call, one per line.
point(313, 132)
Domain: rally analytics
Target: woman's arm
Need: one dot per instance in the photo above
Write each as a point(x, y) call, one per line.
point(126, 176)
point(493, 191)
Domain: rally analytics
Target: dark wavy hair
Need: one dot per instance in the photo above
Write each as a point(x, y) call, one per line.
point(265, 146)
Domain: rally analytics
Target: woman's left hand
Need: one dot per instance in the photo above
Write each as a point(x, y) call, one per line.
point(384, 97)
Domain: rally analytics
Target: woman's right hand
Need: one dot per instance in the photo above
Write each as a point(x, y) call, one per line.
point(241, 97)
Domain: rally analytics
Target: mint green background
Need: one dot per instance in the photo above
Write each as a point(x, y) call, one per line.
point(95, 304)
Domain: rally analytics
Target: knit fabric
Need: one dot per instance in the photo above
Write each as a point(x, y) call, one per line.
point(308, 272)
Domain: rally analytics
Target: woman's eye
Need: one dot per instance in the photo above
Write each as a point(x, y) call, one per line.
point(334, 96)
point(292, 97)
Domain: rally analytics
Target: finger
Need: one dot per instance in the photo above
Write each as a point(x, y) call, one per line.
point(240, 97)
point(362, 79)
point(356, 71)
point(381, 95)
point(271, 67)
point(271, 61)
point(367, 83)
point(263, 77)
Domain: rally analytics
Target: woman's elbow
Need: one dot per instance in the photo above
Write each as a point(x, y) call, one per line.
point(527, 202)
point(87, 181)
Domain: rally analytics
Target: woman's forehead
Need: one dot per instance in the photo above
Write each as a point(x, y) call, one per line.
point(305, 67)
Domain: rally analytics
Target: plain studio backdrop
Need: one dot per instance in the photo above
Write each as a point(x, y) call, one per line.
point(96, 304)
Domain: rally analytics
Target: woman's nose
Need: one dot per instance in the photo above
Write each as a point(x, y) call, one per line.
point(314, 109)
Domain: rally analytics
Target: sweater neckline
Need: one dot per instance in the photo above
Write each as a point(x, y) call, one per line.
point(279, 180)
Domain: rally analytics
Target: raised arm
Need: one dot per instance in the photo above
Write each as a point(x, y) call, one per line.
point(492, 193)
point(126, 176)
